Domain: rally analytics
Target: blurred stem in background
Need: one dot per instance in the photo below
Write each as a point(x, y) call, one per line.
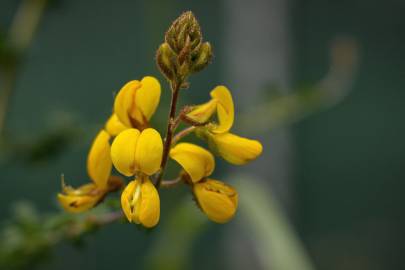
point(16, 42)
point(281, 110)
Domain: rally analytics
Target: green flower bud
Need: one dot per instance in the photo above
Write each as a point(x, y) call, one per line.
point(184, 32)
point(166, 61)
point(202, 58)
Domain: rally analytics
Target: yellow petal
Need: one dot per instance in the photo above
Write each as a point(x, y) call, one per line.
point(126, 199)
point(216, 199)
point(123, 151)
point(147, 97)
point(77, 200)
point(114, 126)
point(77, 204)
point(235, 149)
point(125, 102)
point(225, 109)
point(149, 151)
point(202, 113)
point(195, 160)
point(149, 212)
point(99, 159)
point(82, 190)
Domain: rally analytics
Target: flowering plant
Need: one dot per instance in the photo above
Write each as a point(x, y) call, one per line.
point(135, 149)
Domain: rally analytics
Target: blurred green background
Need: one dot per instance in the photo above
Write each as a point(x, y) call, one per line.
point(337, 173)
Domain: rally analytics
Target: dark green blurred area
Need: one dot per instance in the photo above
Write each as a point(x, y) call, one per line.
point(348, 161)
point(350, 178)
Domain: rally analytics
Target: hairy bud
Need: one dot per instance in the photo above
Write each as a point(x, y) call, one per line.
point(166, 61)
point(203, 57)
point(184, 31)
point(183, 51)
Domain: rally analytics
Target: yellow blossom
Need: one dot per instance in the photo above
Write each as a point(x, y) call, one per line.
point(134, 151)
point(218, 200)
point(99, 167)
point(139, 153)
point(140, 202)
point(99, 160)
point(221, 102)
point(137, 101)
point(234, 149)
point(85, 197)
point(195, 160)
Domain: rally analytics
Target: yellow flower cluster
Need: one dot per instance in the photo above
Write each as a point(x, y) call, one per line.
point(136, 150)
point(128, 143)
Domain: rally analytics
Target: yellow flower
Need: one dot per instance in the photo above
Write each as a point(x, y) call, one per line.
point(140, 202)
point(221, 102)
point(139, 153)
point(137, 101)
point(195, 160)
point(99, 161)
point(234, 149)
point(99, 170)
point(216, 199)
point(134, 151)
point(85, 197)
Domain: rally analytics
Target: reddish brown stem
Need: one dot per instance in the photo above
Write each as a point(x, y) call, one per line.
point(169, 131)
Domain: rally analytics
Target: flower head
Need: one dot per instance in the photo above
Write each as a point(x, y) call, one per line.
point(216, 199)
point(85, 197)
point(99, 170)
point(140, 202)
point(234, 149)
point(137, 101)
point(139, 153)
point(137, 150)
point(195, 160)
point(134, 151)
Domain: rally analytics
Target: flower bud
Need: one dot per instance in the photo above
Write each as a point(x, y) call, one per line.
point(184, 30)
point(203, 57)
point(216, 199)
point(166, 61)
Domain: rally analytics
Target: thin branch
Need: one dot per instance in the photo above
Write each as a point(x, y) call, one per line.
point(169, 130)
point(171, 183)
point(182, 134)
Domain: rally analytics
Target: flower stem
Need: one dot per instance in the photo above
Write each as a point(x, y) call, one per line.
point(182, 134)
point(171, 183)
point(175, 85)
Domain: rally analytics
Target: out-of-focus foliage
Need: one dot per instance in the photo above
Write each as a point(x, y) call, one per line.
point(28, 238)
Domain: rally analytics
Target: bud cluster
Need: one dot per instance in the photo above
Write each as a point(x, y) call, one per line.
point(183, 51)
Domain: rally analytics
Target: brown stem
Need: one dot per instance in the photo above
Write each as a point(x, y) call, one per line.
point(169, 131)
point(182, 134)
point(170, 183)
